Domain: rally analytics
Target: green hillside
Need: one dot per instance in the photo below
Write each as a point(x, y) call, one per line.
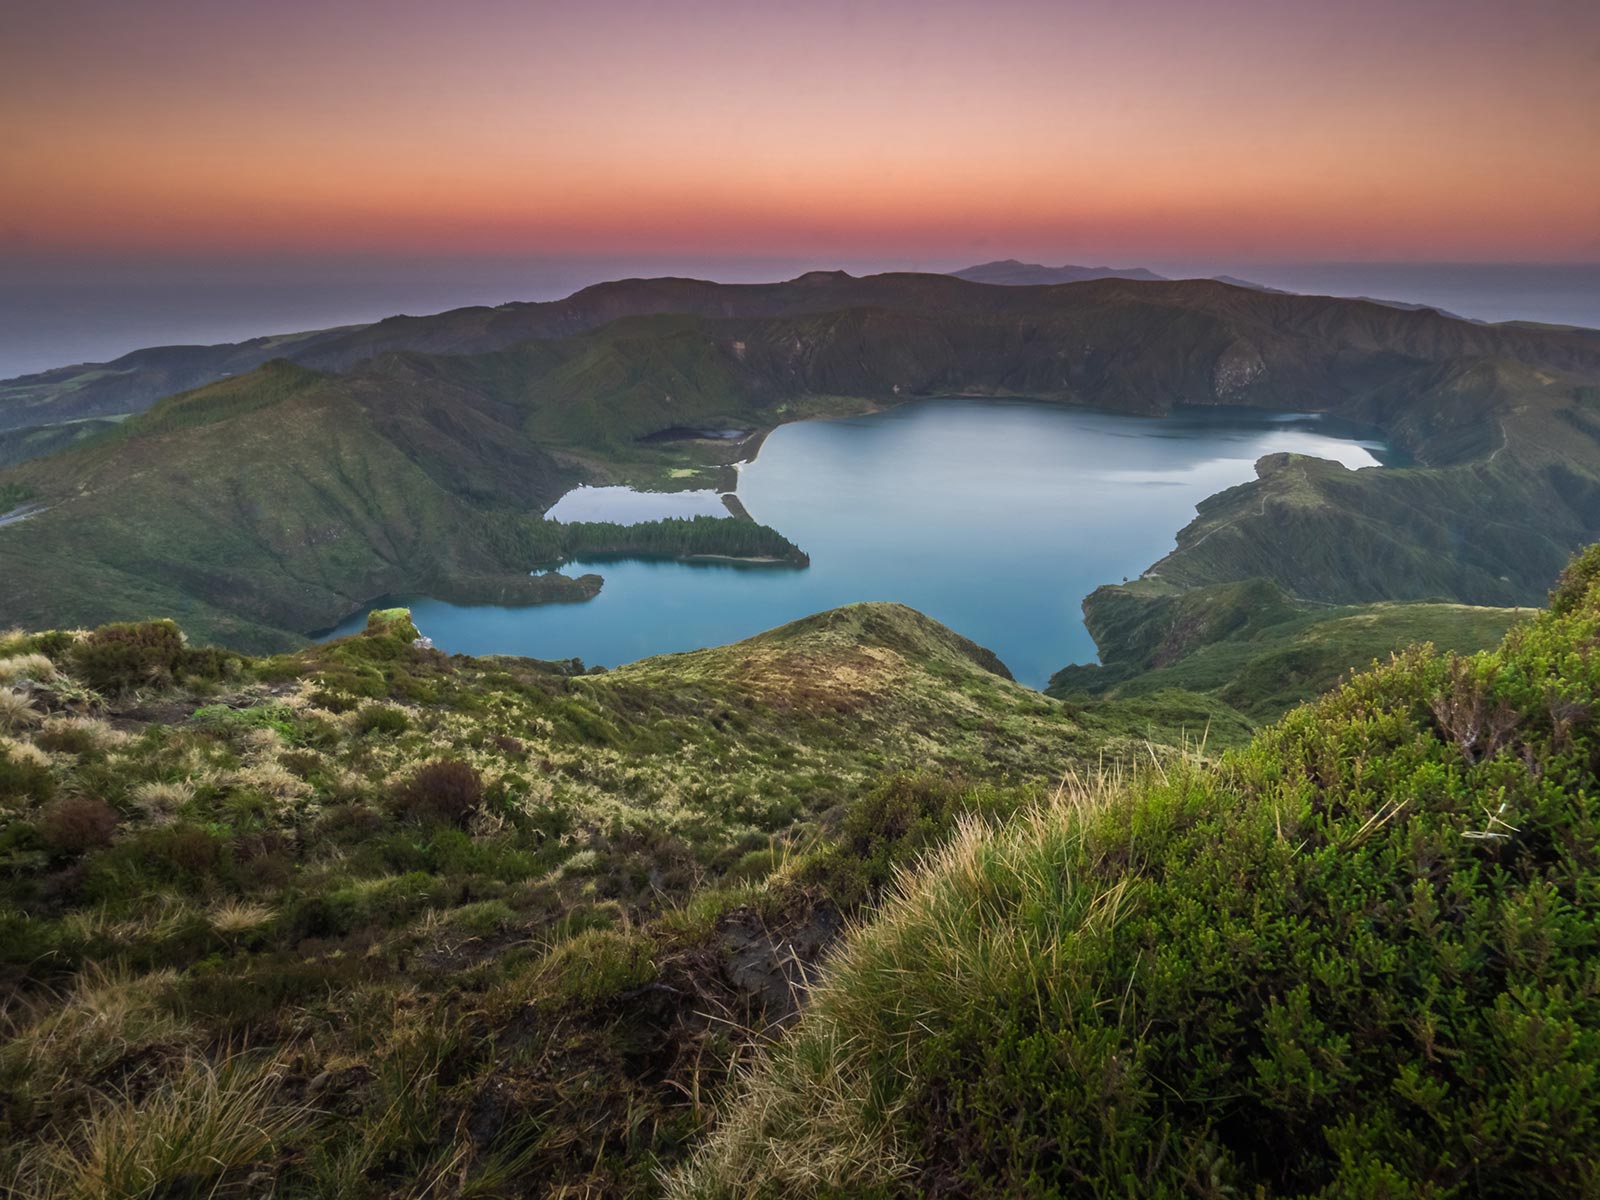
point(1356, 958)
point(270, 505)
point(416, 455)
point(1251, 646)
point(39, 441)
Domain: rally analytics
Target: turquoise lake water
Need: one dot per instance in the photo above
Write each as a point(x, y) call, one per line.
point(994, 517)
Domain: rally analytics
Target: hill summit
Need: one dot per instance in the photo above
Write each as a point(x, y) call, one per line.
point(1011, 272)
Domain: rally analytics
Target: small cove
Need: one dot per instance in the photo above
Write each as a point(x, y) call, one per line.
point(994, 517)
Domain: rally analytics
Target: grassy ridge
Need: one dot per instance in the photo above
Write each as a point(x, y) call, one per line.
point(19, 445)
point(366, 920)
point(1355, 959)
point(1283, 330)
point(1251, 646)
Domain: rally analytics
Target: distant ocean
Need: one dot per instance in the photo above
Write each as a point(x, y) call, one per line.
point(57, 313)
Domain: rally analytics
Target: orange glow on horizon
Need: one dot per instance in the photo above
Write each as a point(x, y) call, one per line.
point(1444, 130)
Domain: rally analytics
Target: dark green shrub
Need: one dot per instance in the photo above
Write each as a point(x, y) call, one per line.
point(23, 779)
point(55, 643)
point(183, 856)
point(348, 823)
point(891, 825)
point(381, 718)
point(1355, 959)
point(1575, 582)
point(224, 721)
point(211, 663)
point(130, 654)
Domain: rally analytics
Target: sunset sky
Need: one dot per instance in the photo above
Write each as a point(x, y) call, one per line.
point(1123, 130)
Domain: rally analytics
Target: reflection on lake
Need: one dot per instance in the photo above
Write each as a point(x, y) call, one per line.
point(628, 507)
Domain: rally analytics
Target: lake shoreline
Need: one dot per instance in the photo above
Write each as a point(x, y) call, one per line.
point(991, 518)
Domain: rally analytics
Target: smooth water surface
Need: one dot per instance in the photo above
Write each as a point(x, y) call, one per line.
point(994, 517)
point(624, 506)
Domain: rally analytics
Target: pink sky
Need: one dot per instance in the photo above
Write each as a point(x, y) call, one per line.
point(1442, 129)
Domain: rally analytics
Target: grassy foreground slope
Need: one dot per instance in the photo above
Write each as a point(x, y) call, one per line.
point(370, 921)
point(1359, 958)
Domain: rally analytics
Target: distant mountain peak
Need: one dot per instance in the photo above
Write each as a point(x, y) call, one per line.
point(1014, 272)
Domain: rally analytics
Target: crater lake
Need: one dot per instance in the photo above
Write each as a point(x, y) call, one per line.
point(993, 517)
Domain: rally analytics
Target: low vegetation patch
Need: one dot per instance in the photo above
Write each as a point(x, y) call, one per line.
point(369, 920)
point(1356, 958)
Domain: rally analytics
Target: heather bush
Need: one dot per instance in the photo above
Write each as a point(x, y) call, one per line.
point(74, 824)
point(448, 791)
point(118, 657)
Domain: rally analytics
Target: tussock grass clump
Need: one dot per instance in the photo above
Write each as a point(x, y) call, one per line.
point(107, 1017)
point(1353, 959)
point(384, 719)
point(161, 800)
point(17, 710)
point(232, 918)
point(197, 1134)
point(79, 735)
point(596, 966)
point(33, 667)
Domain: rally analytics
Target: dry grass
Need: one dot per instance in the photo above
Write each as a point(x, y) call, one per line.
point(197, 1134)
point(162, 918)
point(160, 801)
point(269, 777)
point(21, 668)
point(91, 733)
point(816, 1114)
point(19, 751)
point(232, 918)
point(17, 710)
point(107, 1017)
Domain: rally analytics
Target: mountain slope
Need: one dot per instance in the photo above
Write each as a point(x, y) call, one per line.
point(135, 381)
point(284, 499)
point(272, 503)
point(1251, 646)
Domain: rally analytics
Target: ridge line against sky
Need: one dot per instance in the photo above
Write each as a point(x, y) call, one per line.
point(1146, 130)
